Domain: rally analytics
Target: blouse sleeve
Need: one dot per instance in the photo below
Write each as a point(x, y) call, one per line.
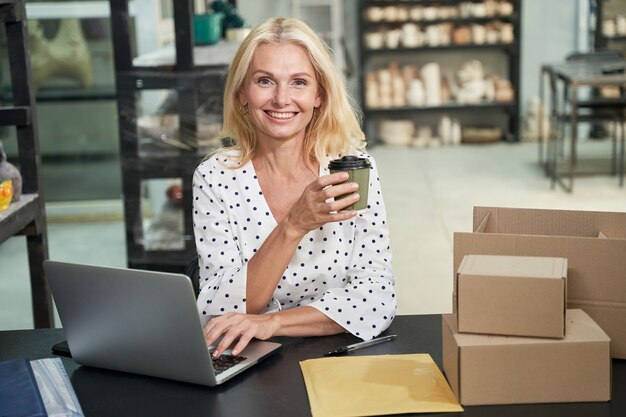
point(366, 306)
point(223, 272)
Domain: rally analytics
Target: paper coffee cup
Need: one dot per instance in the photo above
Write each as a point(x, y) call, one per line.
point(358, 170)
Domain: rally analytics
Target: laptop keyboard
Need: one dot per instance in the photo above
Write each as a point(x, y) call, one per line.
point(224, 362)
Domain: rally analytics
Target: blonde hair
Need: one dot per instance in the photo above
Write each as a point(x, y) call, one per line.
point(335, 128)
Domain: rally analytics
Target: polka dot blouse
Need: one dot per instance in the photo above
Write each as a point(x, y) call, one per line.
point(342, 269)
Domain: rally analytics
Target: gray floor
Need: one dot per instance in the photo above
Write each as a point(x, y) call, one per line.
point(429, 194)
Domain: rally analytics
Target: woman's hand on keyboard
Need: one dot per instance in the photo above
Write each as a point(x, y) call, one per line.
point(239, 328)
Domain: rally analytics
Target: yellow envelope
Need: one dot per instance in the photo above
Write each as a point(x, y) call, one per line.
point(353, 386)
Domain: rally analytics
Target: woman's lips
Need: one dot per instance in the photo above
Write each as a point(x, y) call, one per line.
point(281, 115)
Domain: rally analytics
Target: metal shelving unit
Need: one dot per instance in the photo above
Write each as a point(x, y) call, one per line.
point(601, 41)
point(27, 216)
point(192, 72)
point(510, 52)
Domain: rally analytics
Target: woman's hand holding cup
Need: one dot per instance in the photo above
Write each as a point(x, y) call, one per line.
point(317, 204)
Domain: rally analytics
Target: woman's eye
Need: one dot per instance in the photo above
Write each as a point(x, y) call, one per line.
point(299, 83)
point(264, 81)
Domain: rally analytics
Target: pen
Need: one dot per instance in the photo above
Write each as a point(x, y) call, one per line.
point(345, 349)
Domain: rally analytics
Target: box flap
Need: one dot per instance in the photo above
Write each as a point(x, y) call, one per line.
point(595, 266)
point(483, 223)
point(550, 222)
point(514, 266)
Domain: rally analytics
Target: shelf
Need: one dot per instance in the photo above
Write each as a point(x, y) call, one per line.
point(615, 38)
point(600, 40)
point(198, 74)
point(498, 46)
point(19, 215)
point(72, 9)
point(382, 3)
point(46, 95)
point(143, 169)
point(152, 78)
point(15, 116)
point(220, 54)
point(162, 260)
point(90, 94)
point(26, 216)
point(314, 3)
point(456, 20)
point(453, 107)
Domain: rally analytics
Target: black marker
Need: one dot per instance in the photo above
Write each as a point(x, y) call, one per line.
point(345, 349)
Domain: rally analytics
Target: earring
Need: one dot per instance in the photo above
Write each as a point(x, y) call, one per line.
point(243, 109)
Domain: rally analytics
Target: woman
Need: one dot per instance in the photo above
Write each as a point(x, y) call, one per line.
point(278, 256)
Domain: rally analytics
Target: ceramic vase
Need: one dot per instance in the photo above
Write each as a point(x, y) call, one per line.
point(9, 172)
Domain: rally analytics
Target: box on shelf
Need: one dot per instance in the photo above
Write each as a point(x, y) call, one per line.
point(594, 244)
point(512, 295)
point(487, 369)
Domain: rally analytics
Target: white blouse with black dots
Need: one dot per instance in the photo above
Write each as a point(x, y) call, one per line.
point(342, 269)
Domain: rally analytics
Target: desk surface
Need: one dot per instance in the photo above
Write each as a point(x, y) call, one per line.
point(588, 72)
point(272, 388)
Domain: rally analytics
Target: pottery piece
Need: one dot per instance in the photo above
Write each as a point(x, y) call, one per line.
point(416, 13)
point(505, 8)
point(397, 132)
point(374, 40)
point(390, 13)
point(506, 33)
point(374, 14)
point(462, 35)
point(6, 194)
point(608, 28)
point(416, 95)
point(479, 34)
point(430, 13)
point(410, 33)
point(445, 129)
point(403, 14)
point(66, 55)
point(392, 38)
point(472, 84)
point(8, 171)
point(431, 76)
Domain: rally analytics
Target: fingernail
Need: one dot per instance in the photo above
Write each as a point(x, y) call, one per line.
point(235, 351)
point(354, 186)
point(216, 353)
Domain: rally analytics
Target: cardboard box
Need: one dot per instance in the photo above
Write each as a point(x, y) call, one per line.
point(512, 295)
point(484, 369)
point(594, 243)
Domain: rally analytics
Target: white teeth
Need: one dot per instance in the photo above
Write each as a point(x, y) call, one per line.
point(281, 115)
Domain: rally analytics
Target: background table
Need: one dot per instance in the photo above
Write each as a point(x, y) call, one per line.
point(573, 76)
point(274, 387)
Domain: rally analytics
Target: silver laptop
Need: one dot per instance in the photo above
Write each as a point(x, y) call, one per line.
point(142, 322)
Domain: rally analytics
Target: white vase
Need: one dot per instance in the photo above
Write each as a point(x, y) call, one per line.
point(431, 75)
point(445, 130)
point(416, 95)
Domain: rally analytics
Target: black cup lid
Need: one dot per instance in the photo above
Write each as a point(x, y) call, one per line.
point(349, 162)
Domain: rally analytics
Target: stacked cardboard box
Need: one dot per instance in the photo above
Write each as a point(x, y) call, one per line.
point(512, 295)
point(512, 340)
point(594, 243)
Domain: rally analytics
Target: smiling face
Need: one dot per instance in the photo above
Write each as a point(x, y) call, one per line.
point(281, 92)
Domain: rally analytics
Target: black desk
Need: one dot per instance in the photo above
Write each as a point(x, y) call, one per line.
point(273, 388)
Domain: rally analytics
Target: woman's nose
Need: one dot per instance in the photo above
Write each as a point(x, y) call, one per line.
point(281, 96)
